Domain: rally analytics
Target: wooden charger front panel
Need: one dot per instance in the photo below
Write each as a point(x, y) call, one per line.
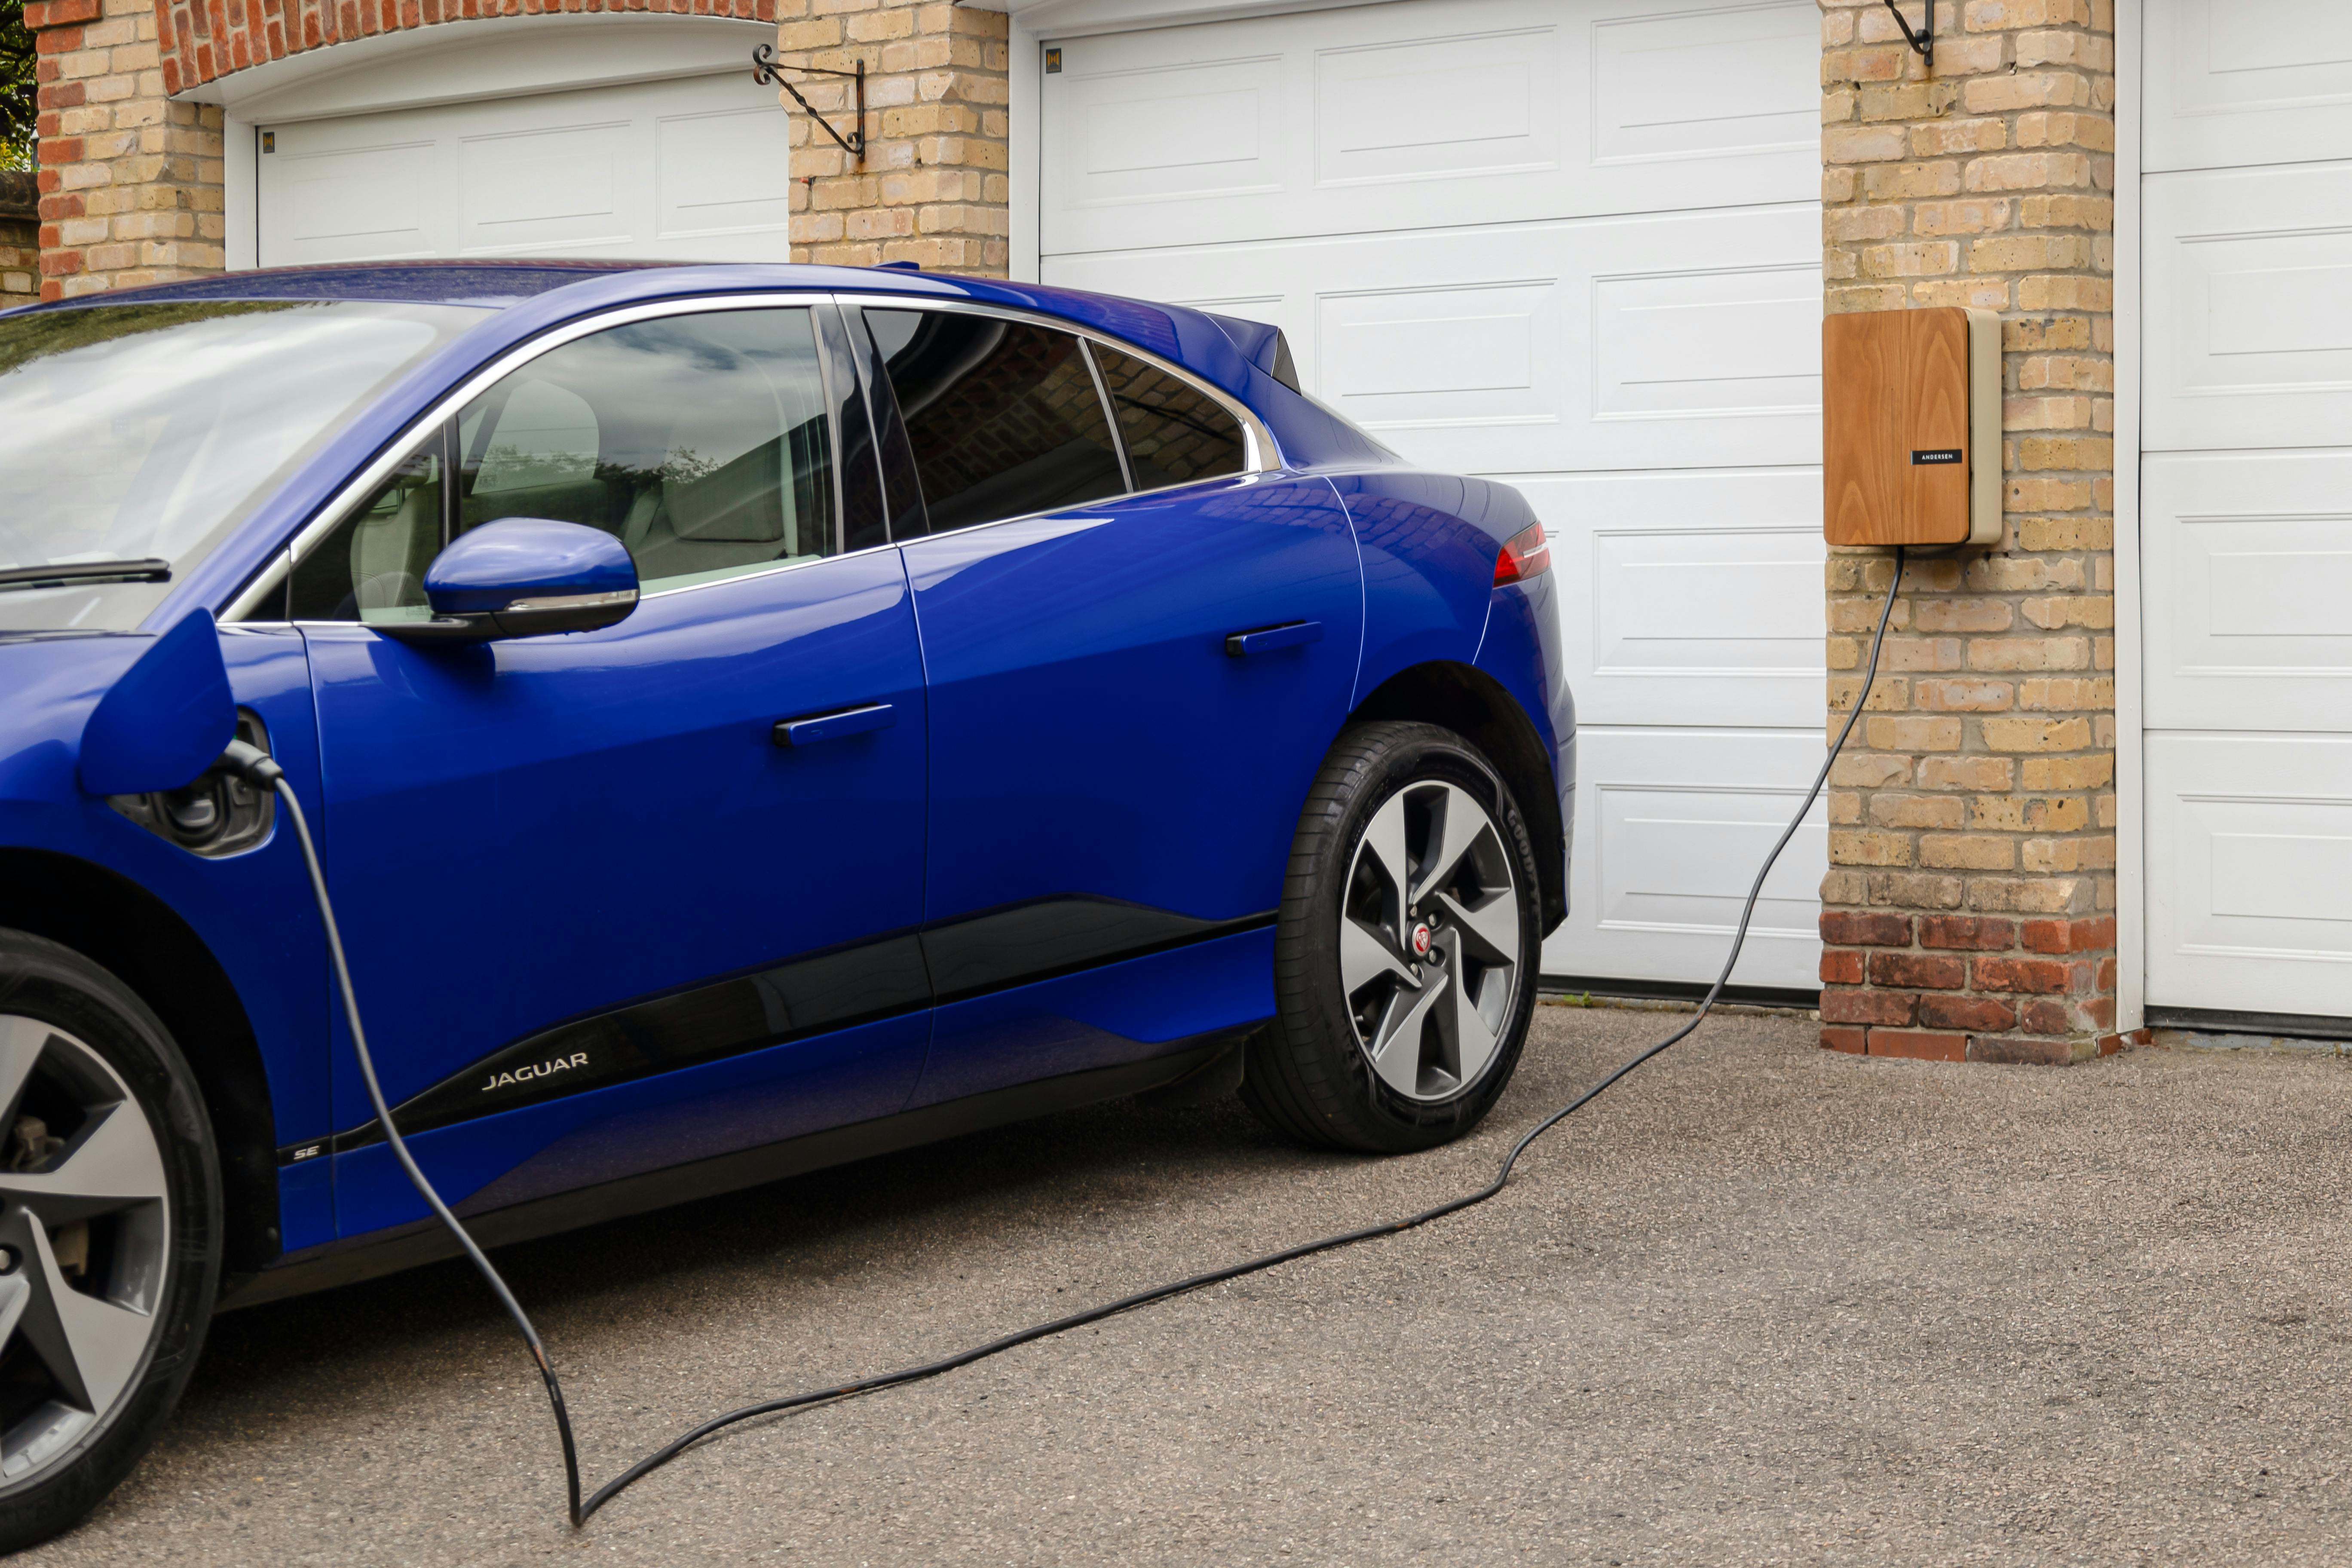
point(1895, 457)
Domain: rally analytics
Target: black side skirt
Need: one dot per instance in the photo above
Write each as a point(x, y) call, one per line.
point(408, 1247)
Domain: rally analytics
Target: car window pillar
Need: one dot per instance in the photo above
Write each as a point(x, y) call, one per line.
point(910, 516)
point(865, 513)
point(1110, 417)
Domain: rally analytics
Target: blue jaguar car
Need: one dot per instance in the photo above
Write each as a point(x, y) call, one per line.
point(753, 717)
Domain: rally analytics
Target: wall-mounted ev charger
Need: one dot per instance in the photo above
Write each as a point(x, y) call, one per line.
point(1911, 427)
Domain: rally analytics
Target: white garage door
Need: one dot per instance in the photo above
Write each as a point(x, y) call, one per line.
point(695, 169)
point(1575, 244)
point(2246, 505)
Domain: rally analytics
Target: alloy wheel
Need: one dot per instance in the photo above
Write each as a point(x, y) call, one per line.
point(1429, 940)
point(85, 1229)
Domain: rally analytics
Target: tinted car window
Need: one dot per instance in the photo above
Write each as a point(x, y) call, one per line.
point(1174, 432)
point(1003, 416)
point(701, 442)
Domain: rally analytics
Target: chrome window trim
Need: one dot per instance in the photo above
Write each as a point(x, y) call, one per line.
point(1260, 454)
point(767, 569)
point(580, 601)
point(426, 426)
point(271, 579)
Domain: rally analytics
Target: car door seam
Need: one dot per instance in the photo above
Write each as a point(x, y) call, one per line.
point(1363, 600)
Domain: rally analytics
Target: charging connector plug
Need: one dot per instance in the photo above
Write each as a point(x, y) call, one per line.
point(251, 763)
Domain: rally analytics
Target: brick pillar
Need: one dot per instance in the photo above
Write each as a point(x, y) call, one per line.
point(131, 182)
point(932, 187)
point(20, 240)
point(1968, 912)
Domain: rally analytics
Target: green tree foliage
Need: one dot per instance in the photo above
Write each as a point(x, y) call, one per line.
point(17, 95)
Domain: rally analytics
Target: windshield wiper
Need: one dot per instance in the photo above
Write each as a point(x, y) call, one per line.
point(150, 570)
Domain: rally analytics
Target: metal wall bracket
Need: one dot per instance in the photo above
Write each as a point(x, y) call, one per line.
point(768, 72)
point(1923, 42)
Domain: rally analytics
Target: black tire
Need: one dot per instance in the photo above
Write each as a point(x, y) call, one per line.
point(56, 987)
point(1309, 1075)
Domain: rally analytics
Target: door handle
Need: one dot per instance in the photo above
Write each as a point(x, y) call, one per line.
point(833, 726)
point(1265, 639)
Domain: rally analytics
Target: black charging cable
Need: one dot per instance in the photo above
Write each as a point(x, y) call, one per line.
point(262, 769)
point(257, 767)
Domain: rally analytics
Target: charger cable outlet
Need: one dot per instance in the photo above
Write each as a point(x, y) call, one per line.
point(258, 766)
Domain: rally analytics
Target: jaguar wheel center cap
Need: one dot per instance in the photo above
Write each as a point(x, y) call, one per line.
point(1421, 942)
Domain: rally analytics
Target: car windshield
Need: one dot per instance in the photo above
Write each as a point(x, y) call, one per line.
point(133, 439)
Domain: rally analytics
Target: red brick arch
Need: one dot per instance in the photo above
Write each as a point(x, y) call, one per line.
point(203, 41)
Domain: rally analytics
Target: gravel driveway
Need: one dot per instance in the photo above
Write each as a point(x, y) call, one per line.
point(1761, 1304)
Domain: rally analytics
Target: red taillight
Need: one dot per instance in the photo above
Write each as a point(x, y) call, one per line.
point(1527, 553)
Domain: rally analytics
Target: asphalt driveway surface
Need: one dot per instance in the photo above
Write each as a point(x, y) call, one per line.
point(1760, 1304)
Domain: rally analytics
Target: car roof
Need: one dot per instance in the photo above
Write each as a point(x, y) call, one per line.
point(481, 283)
point(504, 284)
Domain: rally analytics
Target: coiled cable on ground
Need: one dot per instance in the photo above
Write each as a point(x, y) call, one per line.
point(257, 767)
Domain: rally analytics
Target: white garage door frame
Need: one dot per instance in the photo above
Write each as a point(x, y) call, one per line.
point(495, 58)
point(2131, 725)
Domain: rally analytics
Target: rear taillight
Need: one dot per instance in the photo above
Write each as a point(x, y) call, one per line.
point(1527, 553)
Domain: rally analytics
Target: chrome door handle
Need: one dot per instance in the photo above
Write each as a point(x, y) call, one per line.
point(1265, 639)
point(833, 726)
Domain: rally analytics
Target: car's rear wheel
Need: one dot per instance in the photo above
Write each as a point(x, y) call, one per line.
point(1406, 949)
point(110, 1218)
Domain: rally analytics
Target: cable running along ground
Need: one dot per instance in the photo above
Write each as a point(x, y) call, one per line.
point(257, 767)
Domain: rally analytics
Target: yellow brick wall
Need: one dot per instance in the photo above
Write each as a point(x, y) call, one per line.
point(131, 182)
point(932, 187)
point(1969, 902)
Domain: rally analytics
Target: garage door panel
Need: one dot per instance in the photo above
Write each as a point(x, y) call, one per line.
point(1194, 132)
point(2251, 906)
point(692, 169)
point(1688, 599)
point(2247, 81)
point(553, 187)
point(1670, 828)
point(1701, 83)
point(1511, 111)
point(1595, 344)
point(342, 203)
point(2249, 343)
point(701, 188)
point(1427, 108)
point(1678, 344)
point(2249, 590)
point(1427, 357)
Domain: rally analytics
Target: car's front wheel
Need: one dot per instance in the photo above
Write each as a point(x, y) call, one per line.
point(1406, 950)
point(110, 1218)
